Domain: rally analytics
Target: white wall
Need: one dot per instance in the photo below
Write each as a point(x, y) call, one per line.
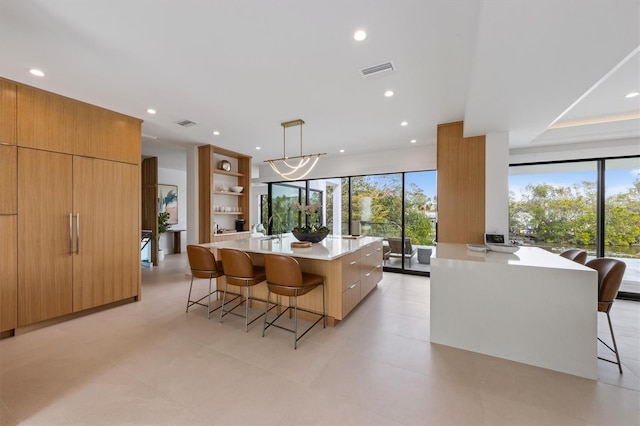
point(497, 183)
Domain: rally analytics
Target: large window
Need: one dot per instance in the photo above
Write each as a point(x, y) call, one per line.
point(555, 206)
point(399, 207)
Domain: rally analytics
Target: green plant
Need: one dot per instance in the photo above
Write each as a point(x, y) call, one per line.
point(163, 222)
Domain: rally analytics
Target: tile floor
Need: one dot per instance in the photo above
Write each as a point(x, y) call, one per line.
point(149, 363)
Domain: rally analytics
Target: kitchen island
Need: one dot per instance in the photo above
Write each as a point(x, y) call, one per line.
point(531, 306)
point(351, 267)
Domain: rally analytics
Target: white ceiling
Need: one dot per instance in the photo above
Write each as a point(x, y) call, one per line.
point(244, 66)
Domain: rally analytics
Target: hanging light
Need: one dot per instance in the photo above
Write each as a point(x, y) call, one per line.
point(293, 168)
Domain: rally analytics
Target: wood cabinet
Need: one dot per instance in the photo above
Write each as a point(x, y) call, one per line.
point(74, 244)
point(217, 205)
point(107, 261)
point(350, 281)
point(45, 235)
point(8, 179)
point(361, 272)
point(8, 108)
point(8, 272)
point(54, 123)
point(69, 206)
point(371, 267)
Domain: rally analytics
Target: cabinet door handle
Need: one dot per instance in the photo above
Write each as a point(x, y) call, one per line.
point(368, 274)
point(354, 262)
point(70, 233)
point(78, 233)
point(353, 286)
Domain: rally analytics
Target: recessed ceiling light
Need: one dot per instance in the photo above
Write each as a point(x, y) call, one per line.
point(404, 123)
point(217, 133)
point(342, 150)
point(413, 141)
point(36, 72)
point(388, 93)
point(258, 148)
point(360, 35)
point(632, 95)
point(151, 111)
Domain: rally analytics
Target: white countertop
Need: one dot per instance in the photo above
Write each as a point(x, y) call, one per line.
point(330, 248)
point(525, 256)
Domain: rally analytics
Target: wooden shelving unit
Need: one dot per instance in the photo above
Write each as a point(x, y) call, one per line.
point(211, 198)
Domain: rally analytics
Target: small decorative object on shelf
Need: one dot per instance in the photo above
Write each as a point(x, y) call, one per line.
point(225, 165)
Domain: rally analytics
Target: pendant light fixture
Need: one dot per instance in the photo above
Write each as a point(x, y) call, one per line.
point(293, 168)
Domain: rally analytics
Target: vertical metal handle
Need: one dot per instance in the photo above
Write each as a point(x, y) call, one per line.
point(78, 233)
point(70, 233)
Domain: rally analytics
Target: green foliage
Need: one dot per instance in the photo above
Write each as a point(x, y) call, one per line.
point(567, 215)
point(311, 229)
point(382, 196)
point(163, 222)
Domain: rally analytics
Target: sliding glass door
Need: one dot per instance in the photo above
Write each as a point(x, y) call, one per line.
point(398, 207)
point(555, 206)
point(622, 218)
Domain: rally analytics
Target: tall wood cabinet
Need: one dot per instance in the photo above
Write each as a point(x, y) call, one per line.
point(8, 208)
point(76, 225)
point(217, 205)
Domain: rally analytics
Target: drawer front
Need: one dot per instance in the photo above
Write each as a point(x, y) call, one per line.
point(370, 248)
point(350, 298)
point(370, 280)
point(372, 258)
point(350, 269)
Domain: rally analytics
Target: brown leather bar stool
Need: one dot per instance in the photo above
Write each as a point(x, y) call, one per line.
point(203, 264)
point(285, 278)
point(610, 273)
point(241, 272)
point(577, 255)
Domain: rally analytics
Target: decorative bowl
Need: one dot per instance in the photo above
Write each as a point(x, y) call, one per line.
point(312, 237)
point(237, 188)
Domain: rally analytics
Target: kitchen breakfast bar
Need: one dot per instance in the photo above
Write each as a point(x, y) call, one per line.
point(531, 306)
point(351, 268)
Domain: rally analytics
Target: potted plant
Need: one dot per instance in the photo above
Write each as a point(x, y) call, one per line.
point(313, 233)
point(163, 226)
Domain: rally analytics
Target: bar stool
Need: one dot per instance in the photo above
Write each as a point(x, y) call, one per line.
point(577, 255)
point(285, 278)
point(203, 264)
point(610, 273)
point(240, 271)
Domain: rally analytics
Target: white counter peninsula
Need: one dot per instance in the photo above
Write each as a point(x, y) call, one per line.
point(531, 306)
point(351, 267)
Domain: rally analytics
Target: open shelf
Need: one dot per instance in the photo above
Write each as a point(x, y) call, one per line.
point(211, 178)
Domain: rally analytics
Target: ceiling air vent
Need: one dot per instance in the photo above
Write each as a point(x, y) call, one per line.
point(187, 123)
point(380, 69)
